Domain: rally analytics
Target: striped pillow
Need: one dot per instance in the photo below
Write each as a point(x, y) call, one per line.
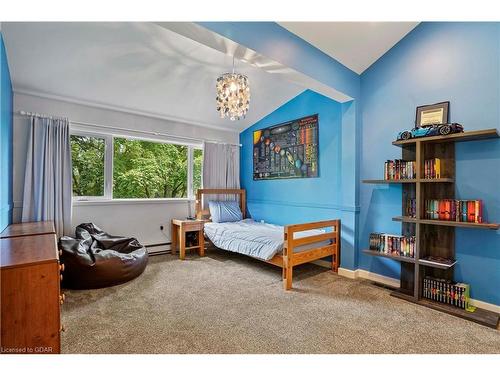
point(225, 211)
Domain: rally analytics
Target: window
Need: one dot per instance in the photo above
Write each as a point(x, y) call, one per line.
point(124, 168)
point(88, 165)
point(144, 169)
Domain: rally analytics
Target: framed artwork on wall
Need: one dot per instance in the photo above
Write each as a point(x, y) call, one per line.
point(432, 114)
point(287, 150)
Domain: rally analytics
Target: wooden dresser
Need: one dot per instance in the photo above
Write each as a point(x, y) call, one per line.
point(30, 289)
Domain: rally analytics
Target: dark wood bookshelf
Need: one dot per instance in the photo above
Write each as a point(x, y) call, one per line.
point(433, 237)
point(395, 257)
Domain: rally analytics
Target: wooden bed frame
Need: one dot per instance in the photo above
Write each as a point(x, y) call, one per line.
point(288, 259)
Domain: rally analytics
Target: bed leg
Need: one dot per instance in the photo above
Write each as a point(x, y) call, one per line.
point(336, 254)
point(287, 277)
point(334, 263)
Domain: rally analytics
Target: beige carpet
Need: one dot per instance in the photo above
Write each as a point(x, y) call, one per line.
point(226, 303)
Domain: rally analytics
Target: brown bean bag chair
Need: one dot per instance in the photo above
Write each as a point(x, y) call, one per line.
point(96, 259)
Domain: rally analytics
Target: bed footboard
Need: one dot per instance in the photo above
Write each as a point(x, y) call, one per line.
point(291, 259)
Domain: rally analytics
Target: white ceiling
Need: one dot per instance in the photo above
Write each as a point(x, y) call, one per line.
point(141, 67)
point(356, 45)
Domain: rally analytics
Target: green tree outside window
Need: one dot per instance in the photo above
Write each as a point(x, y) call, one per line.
point(141, 169)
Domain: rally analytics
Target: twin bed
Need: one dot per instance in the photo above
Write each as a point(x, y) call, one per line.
point(285, 247)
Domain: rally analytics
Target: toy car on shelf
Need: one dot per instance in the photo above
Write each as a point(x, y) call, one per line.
point(430, 130)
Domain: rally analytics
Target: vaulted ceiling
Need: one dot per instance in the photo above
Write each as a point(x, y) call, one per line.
point(146, 68)
point(357, 45)
point(136, 66)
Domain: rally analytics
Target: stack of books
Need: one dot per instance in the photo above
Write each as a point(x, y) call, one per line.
point(411, 207)
point(399, 170)
point(432, 168)
point(393, 244)
point(446, 291)
point(470, 211)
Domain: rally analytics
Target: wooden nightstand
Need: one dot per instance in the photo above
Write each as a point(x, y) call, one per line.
point(179, 230)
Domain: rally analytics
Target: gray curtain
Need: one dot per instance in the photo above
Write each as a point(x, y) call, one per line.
point(221, 168)
point(47, 181)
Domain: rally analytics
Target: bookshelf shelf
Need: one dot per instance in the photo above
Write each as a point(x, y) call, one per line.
point(407, 219)
point(434, 238)
point(436, 180)
point(459, 137)
point(442, 266)
point(460, 224)
point(395, 257)
point(481, 316)
point(410, 181)
point(484, 317)
point(404, 294)
point(407, 181)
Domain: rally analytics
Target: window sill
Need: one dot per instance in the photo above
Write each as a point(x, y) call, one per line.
point(110, 202)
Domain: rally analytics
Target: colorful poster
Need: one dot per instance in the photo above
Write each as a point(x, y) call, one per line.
point(288, 150)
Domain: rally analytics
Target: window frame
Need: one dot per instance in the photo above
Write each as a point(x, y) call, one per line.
point(107, 161)
point(108, 168)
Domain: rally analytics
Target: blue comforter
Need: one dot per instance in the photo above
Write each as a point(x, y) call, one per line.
point(258, 240)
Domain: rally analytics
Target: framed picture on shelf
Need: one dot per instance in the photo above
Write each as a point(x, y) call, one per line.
point(432, 114)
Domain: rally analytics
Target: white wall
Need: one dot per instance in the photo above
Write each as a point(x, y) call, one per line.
point(138, 219)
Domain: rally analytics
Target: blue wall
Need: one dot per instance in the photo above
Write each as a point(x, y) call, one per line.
point(5, 140)
point(291, 201)
point(277, 43)
point(300, 200)
point(459, 62)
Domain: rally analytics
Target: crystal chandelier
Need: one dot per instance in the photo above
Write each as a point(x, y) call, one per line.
point(233, 95)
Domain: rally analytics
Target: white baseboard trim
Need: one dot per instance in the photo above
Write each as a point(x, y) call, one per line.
point(350, 274)
point(485, 305)
point(157, 249)
point(389, 281)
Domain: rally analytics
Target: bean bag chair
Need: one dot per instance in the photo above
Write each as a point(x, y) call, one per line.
point(96, 259)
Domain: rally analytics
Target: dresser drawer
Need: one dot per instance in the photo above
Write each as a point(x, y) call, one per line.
point(30, 295)
point(31, 309)
point(192, 227)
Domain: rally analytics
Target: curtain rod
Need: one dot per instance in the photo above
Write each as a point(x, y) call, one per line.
point(25, 113)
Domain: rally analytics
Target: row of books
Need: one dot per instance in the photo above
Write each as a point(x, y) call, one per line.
point(446, 291)
point(432, 168)
point(470, 211)
point(399, 170)
point(392, 244)
point(411, 207)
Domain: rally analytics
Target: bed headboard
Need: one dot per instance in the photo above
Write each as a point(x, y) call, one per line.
point(203, 213)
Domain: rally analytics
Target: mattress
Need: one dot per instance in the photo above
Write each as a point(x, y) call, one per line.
point(259, 240)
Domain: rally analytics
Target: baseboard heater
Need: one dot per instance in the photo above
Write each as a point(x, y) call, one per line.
point(158, 252)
